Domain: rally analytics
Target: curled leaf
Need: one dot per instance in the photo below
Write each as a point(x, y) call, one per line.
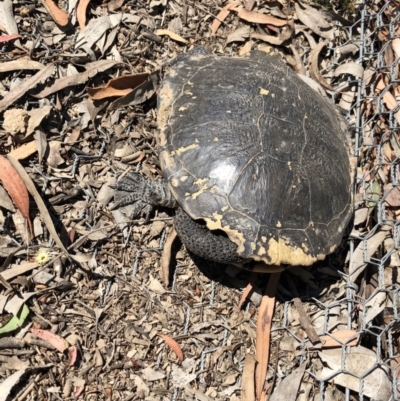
point(174, 346)
point(56, 341)
point(222, 15)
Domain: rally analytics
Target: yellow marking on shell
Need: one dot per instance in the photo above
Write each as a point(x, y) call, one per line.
point(264, 91)
point(225, 208)
point(268, 50)
point(253, 246)
point(184, 178)
point(272, 94)
point(182, 108)
point(229, 111)
point(213, 189)
point(201, 181)
point(281, 253)
point(166, 97)
point(261, 251)
point(179, 151)
point(215, 223)
point(201, 190)
point(264, 239)
point(174, 182)
point(279, 224)
point(289, 165)
point(215, 139)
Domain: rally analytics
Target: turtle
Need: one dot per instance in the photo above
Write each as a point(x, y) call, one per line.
point(255, 162)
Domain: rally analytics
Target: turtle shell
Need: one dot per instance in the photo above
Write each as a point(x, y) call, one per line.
point(252, 150)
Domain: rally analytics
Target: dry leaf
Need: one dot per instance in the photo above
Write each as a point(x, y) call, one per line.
point(166, 256)
point(36, 118)
point(240, 35)
point(28, 84)
point(258, 18)
point(374, 306)
point(77, 79)
point(56, 341)
point(39, 202)
point(173, 345)
point(23, 151)
point(358, 362)
point(246, 48)
point(248, 388)
point(9, 38)
point(172, 35)
point(314, 19)
point(20, 64)
point(7, 19)
point(222, 16)
point(120, 86)
point(16, 188)
point(369, 246)
point(81, 13)
point(60, 17)
point(264, 322)
point(288, 388)
point(340, 337)
point(314, 65)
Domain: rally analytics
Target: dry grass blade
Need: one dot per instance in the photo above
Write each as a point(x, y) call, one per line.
point(174, 346)
point(166, 256)
point(16, 188)
point(39, 202)
point(264, 323)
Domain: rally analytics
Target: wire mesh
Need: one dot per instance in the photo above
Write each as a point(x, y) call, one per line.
point(368, 302)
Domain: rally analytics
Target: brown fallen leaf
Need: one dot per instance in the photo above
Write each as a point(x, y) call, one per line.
point(222, 15)
point(140, 94)
point(81, 12)
point(20, 64)
point(120, 86)
point(28, 84)
point(39, 202)
point(56, 341)
point(314, 65)
point(166, 256)
point(339, 337)
point(172, 35)
point(77, 79)
point(8, 38)
point(72, 355)
point(249, 288)
point(264, 323)
point(16, 188)
point(248, 388)
point(388, 98)
point(23, 151)
point(59, 16)
point(174, 346)
point(258, 18)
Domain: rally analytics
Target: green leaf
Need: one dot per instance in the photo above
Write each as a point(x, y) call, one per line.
point(17, 321)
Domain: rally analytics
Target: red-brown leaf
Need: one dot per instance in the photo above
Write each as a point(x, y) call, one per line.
point(173, 345)
point(56, 341)
point(16, 188)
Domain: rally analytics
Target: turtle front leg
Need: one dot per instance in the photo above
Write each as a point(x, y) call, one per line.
point(143, 193)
